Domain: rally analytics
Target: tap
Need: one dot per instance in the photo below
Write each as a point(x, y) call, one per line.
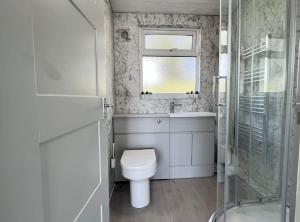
point(172, 106)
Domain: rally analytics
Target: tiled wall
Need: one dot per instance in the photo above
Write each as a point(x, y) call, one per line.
point(109, 69)
point(127, 69)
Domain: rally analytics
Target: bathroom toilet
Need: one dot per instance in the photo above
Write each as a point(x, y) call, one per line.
point(139, 166)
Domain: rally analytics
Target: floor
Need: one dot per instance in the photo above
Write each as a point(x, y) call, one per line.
point(257, 213)
point(178, 200)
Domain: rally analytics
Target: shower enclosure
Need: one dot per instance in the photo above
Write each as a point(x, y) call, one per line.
point(254, 97)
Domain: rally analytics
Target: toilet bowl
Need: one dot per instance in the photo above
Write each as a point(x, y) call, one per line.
point(138, 166)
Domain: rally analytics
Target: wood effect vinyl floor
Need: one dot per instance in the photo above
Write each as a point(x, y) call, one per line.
point(177, 200)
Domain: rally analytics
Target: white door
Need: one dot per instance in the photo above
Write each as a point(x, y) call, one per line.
point(54, 163)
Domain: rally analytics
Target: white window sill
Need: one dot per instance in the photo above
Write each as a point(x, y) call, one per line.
point(169, 96)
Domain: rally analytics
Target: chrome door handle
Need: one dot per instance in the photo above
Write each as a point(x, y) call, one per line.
point(214, 88)
point(215, 91)
point(106, 105)
point(220, 104)
point(221, 77)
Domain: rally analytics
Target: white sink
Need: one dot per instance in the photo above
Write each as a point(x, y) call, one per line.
point(193, 114)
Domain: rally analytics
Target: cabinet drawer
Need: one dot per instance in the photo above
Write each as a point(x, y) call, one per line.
point(141, 125)
point(206, 124)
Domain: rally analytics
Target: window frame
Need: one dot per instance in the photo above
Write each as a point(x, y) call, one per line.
point(194, 52)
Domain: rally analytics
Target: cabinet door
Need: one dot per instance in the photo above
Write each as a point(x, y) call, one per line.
point(180, 149)
point(158, 141)
point(203, 148)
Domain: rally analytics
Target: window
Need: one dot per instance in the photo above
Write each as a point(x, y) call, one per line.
point(169, 61)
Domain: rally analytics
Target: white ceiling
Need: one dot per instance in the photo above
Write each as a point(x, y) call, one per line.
point(197, 7)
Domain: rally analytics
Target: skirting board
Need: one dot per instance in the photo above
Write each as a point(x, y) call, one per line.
point(191, 171)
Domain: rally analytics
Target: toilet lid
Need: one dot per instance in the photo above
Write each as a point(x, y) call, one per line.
point(138, 159)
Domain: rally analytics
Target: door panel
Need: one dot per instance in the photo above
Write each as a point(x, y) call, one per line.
point(94, 205)
point(73, 137)
point(59, 115)
point(88, 7)
point(64, 49)
point(180, 149)
point(70, 170)
point(50, 170)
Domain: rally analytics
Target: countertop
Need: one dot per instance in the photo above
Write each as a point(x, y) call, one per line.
point(167, 115)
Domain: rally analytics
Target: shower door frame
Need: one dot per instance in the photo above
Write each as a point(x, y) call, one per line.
point(291, 61)
point(295, 49)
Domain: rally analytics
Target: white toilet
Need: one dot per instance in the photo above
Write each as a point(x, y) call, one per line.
point(138, 166)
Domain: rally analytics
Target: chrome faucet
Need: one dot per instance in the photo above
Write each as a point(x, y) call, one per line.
point(172, 106)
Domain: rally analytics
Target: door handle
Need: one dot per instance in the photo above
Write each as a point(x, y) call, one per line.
point(220, 104)
point(215, 91)
point(107, 105)
point(104, 107)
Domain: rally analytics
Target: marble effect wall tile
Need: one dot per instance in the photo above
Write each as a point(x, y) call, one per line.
point(109, 69)
point(127, 68)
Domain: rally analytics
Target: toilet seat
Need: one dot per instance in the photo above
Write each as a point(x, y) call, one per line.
point(138, 160)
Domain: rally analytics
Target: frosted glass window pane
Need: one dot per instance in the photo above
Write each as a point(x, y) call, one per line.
point(169, 42)
point(169, 74)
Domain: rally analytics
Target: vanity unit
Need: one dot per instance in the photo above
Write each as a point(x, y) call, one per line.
point(184, 142)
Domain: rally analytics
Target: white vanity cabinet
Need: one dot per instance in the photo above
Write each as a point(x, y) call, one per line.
point(184, 145)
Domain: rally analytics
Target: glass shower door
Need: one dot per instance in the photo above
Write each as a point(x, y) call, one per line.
point(261, 111)
point(253, 111)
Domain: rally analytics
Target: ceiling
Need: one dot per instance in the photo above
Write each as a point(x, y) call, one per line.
point(195, 7)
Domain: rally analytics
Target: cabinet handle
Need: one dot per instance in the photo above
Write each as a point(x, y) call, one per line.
point(158, 121)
